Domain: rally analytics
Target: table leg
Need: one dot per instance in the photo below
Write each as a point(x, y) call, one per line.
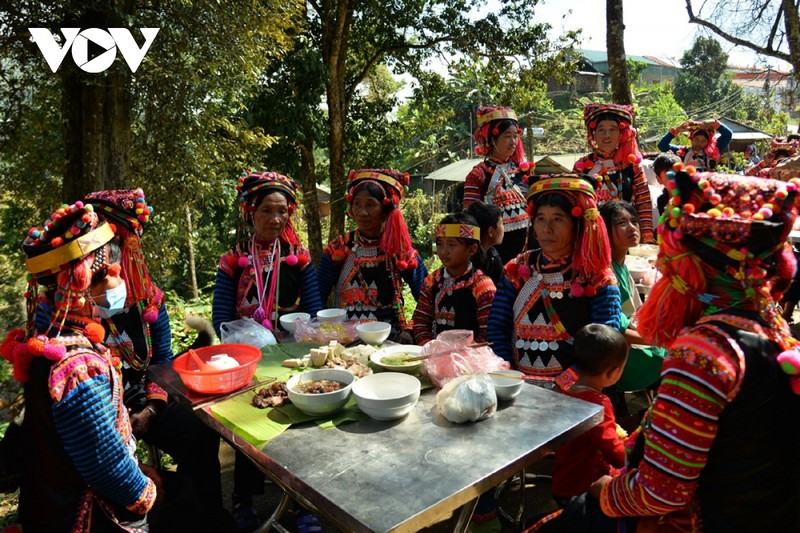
point(272, 521)
point(465, 516)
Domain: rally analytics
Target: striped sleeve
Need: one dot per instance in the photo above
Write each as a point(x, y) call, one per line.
point(161, 337)
point(473, 185)
point(327, 275)
point(310, 301)
point(643, 205)
point(85, 418)
point(423, 314)
point(605, 306)
point(698, 379)
point(223, 308)
point(483, 290)
point(501, 320)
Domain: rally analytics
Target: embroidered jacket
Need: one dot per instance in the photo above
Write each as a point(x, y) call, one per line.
point(453, 303)
point(493, 183)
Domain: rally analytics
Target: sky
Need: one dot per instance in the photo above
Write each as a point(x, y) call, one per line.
point(652, 27)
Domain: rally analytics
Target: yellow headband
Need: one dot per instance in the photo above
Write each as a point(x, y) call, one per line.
point(570, 184)
point(460, 231)
point(398, 186)
point(74, 249)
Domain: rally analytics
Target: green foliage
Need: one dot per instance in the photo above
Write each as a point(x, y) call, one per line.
point(702, 81)
point(635, 69)
point(179, 309)
point(657, 111)
point(422, 213)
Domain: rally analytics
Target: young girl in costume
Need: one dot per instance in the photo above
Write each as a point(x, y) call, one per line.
point(498, 179)
point(614, 161)
point(366, 268)
point(457, 295)
point(706, 148)
point(490, 222)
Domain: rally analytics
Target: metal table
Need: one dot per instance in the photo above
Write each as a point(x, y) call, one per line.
point(411, 473)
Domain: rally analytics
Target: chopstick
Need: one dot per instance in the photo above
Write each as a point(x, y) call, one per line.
point(523, 377)
point(428, 356)
point(213, 401)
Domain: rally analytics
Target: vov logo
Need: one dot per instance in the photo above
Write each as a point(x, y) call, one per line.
point(104, 42)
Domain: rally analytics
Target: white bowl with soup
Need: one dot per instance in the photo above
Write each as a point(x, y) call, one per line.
point(320, 392)
point(393, 358)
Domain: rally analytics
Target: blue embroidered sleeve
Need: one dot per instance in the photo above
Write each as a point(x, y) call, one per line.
point(327, 275)
point(310, 301)
point(223, 309)
point(415, 278)
point(606, 307)
point(85, 420)
point(501, 320)
point(161, 337)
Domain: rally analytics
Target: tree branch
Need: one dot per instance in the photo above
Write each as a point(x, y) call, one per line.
point(774, 27)
point(767, 51)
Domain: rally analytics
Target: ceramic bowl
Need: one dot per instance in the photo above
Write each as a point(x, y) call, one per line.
point(332, 315)
point(507, 388)
point(388, 395)
point(288, 320)
point(373, 332)
point(323, 403)
point(378, 357)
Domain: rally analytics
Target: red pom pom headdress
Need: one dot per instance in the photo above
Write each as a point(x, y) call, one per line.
point(628, 147)
point(129, 212)
point(591, 258)
point(395, 240)
point(489, 118)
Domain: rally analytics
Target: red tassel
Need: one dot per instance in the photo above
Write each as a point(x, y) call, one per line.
point(395, 240)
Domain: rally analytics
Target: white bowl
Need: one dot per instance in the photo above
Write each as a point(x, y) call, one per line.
point(393, 351)
point(374, 332)
point(332, 316)
point(288, 320)
point(507, 388)
point(388, 395)
point(324, 403)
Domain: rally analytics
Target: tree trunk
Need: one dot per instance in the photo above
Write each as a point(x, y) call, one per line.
point(791, 21)
point(190, 253)
point(615, 44)
point(335, 30)
point(310, 204)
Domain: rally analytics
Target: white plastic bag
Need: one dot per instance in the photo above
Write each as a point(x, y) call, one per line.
point(245, 331)
point(468, 398)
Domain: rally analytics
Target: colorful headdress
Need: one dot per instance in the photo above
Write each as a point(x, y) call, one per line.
point(591, 259)
point(488, 119)
point(127, 212)
point(627, 151)
point(459, 231)
point(779, 144)
point(253, 186)
point(395, 240)
point(710, 131)
point(65, 254)
point(722, 245)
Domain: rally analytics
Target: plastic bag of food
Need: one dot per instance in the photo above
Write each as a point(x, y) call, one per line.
point(324, 332)
point(454, 357)
point(468, 398)
point(245, 331)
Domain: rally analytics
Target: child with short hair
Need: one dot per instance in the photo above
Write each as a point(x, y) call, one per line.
point(600, 356)
point(490, 222)
point(662, 164)
point(457, 295)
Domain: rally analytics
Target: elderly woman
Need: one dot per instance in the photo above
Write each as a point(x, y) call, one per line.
point(263, 276)
point(551, 292)
point(366, 268)
point(614, 161)
point(496, 180)
point(644, 363)
point(718, 450)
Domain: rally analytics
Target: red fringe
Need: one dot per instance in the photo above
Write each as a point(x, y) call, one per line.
point(592, 258)
point(395, 240)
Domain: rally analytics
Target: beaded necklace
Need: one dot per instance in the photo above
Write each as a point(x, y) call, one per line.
point(267, 299)
point(127, 353)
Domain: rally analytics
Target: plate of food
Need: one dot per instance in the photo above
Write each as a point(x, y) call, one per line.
point(395, 358)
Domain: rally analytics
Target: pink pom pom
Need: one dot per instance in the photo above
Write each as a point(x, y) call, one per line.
point(150, 314)
point(524, 271)
point(243, 261)
point(580, 165)
point(54, 352)
point(291, 260)
point(576, 290)
point(790, 362)
point(524, 166)
point(267, 323)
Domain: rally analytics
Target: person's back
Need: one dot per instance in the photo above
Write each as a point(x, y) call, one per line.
point(600, 355)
